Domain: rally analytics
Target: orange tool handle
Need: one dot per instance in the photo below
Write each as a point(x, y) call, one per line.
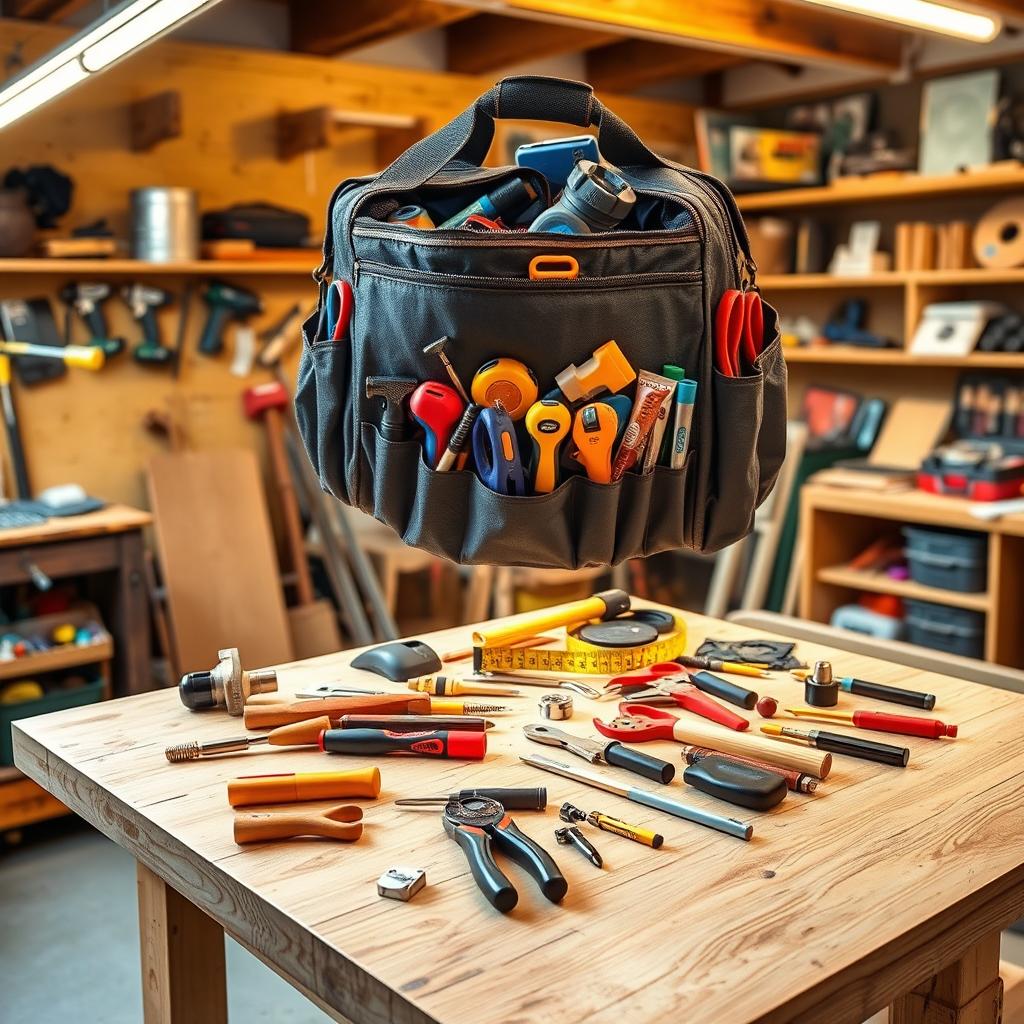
point(299, 734)
point(343, 823)
point(269, 716)
point(291, 787)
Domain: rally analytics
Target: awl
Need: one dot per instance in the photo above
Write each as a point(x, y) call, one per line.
point(730, 826)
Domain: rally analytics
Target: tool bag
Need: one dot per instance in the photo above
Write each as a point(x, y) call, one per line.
point(652, 284)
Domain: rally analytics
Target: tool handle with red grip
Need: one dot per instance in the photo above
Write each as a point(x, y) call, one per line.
point(700, 704)
point(435, 743)
point(906, 725)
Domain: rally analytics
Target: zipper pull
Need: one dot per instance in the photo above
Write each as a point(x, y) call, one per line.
point(748, 274)
point(355, 273)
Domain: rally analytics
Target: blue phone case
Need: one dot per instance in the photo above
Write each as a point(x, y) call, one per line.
point(555, 158)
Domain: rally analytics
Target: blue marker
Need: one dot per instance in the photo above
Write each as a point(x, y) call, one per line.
point(686, 395)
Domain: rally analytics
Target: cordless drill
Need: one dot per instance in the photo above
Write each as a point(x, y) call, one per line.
point(86, 298)
point(144, 300)
point(226, 303)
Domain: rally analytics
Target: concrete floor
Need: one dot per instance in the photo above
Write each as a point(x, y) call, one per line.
point(69, 939)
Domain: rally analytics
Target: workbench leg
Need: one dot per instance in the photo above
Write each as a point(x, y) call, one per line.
point(968, 991)
point(183, 975)
point(131, 619)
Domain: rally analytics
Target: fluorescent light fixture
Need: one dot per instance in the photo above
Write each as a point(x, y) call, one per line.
point(923, 15)
point(42, 91)
point(125, 28)
point(152, 22)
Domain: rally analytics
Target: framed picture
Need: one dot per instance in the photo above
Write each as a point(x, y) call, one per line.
point(957, 122)
point(768, 156)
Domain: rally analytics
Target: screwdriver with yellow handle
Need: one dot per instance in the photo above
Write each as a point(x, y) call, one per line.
point(446, 686)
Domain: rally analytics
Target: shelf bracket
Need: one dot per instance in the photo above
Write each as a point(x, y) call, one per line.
point(155, 119)
point(304, 131)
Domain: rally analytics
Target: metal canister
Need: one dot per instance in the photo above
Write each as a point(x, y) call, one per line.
point(165, 224)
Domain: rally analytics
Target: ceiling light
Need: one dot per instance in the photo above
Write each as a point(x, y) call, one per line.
point(42, 91)
point(923, 15)
point(126, 28)
point(152, 22)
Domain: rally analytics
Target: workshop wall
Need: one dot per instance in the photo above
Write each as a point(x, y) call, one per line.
point(89, 428)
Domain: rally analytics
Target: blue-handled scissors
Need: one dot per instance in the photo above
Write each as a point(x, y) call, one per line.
point(496, 451)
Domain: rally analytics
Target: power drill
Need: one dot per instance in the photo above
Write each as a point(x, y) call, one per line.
point(226, 303)
point(144, 300)
point(86, 299)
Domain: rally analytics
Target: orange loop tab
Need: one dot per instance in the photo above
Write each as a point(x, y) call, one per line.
point(546, 268)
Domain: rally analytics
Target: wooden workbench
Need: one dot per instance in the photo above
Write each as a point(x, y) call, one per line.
point(887, 881)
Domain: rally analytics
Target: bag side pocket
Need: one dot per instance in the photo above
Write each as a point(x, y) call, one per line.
point(771, 438)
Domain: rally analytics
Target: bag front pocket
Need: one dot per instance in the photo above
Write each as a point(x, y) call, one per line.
point(454, 515)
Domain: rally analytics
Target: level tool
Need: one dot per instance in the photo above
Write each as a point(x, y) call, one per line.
point(579, 657)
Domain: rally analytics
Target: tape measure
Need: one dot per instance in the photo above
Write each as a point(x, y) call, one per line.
point(580, 657)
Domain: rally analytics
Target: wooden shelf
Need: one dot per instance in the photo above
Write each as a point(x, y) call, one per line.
point(887, 188)
point(850, 355)
point(57, 659)
point(129, 268)
point(879, 583)
point(971, 277)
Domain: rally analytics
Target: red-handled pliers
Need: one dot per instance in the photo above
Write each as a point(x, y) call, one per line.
point(667, 683)
point(687, 696)
point(739, 331)
point(638, 723)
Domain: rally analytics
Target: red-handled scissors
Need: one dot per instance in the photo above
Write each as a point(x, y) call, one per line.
point(739, 331)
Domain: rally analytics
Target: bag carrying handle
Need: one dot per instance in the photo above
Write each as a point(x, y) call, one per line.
point(522, 97)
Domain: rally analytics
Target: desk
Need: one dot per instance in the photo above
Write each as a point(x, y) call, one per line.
point(107, 541)
point(889, 880)
point(837, 523)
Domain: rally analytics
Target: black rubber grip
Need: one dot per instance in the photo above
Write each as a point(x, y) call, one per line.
point(867, 750)
point(369, 742)
point(511, 799)
point(476, 845)
point(532, 858)
point(721, 688)
point(639, 763)
point(740, 784)
point(892, 694)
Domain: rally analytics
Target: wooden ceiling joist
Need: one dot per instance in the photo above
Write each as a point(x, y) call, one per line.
point(635, 63)
point(755, 29)
point(490, 42)
point(44, 10)
point(329, 27)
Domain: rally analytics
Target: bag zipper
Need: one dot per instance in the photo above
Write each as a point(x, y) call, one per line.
point(470, 239)
point(375, 269)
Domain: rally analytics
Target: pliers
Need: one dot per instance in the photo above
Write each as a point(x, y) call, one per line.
point(686, 694)
point(596, 751)
point(477, 824)
point(652, 683)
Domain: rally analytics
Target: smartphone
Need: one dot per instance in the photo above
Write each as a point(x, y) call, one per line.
point(555, 158)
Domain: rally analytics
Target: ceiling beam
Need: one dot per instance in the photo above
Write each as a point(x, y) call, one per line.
point(45, 10)
point(490, 42)
point(635, 63)
point(755, 29)
point(1011, 11)
point(329, 27)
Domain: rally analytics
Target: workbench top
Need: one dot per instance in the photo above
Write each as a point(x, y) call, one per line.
point(110, 519)
point(841, 902)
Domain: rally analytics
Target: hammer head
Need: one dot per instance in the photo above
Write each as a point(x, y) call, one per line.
point(258, 399)
point(435, 348)
point(394, 390)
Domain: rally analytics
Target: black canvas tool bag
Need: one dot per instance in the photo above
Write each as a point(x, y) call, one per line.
point(652, 285)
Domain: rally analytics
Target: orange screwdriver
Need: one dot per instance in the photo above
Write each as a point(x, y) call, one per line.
point(299, 734)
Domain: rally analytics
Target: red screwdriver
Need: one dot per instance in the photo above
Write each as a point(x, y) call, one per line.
point(881, 721)
point(429, 743)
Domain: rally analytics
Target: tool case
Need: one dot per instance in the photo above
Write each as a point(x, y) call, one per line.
point(652, 284)
point(949, 559)
point(953, 630)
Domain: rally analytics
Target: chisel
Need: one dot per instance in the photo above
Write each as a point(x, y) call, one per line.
point(268, 716)
point(730, 826)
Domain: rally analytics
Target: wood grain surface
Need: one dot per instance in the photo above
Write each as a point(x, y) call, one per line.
point(842, 901)
point(112, 519)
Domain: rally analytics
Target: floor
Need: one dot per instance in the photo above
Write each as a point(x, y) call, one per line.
point(67, 886)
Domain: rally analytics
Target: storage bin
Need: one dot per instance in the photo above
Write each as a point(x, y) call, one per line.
point(954, 630)
point(56, 700)
point(949, 559)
